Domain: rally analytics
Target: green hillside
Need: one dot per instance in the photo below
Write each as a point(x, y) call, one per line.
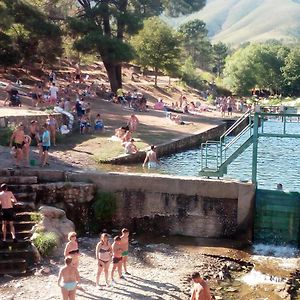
point(238, 21)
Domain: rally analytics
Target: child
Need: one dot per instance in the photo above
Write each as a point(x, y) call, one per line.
point(45, 145)
point(99, 125)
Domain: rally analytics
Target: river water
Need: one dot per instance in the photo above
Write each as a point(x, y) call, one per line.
point(272, 266)
point(278, 162)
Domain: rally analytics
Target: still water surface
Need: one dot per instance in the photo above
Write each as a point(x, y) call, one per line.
point(278, 161)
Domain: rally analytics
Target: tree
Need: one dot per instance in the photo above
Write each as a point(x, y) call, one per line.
point(9, 55)
point(157, 46)
point(196, 42)
point(256, 65)
point(220, 52)
point(29, 30)
point(103, 27)
point(291, 71)
point(239, 72)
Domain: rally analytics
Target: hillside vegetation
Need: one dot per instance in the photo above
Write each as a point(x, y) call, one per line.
point(238, 21)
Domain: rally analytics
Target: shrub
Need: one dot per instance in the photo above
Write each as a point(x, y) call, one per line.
point(35, 217)
point(46, 243)
point(105, 206)
point(5, 134)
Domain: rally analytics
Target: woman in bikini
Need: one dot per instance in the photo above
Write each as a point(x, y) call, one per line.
point(52, 128)
point(72, 250)
point(103, 255)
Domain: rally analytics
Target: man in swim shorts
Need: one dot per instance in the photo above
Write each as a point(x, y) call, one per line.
point(17, 139)
point(125, 246)
point(70, 277)
point(117, 258)
point(151, 158)
point(7, 199)
point(200, 290)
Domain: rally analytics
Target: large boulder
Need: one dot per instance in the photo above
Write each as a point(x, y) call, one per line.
point(54, 220)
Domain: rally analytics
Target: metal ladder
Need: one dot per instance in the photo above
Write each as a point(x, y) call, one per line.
point(217, 155)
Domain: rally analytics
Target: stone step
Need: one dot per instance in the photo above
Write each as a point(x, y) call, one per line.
point(18, 179)
point(9, 254)
point(24, 225)
point(21, 244)
point(24, 207)
point(25, 197)
point(24, 216)
point(10, 266)
point(20, 235)
point(21, 188)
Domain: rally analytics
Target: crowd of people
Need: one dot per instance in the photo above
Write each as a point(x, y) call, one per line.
point(40, 136)
point(107, 253)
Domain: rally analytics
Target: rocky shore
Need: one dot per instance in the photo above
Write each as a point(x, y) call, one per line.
point(158, 271)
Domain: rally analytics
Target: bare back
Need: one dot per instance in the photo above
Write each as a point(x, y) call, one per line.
point(7, 199)
point(69, 274)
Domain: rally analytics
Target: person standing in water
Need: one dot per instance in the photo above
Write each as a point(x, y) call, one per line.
point(151, 158)
point(68, 279)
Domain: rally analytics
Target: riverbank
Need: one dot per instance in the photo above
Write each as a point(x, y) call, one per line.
point(158, 271)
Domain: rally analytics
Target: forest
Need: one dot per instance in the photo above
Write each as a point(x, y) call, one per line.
point(41, 32)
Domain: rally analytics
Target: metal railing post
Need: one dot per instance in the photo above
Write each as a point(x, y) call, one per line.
point(255, 149)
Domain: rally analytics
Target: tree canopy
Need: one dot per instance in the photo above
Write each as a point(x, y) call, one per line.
point(270, 66)
point(29, 35)
point(157, 46)
point(104, 27)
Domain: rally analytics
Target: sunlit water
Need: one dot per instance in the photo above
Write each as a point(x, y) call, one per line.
point(278, 160)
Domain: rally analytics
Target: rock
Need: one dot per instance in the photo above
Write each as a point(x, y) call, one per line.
point(54, 220)
point(45, 271)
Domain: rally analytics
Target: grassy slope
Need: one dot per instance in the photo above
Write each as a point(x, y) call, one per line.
point(238, 21)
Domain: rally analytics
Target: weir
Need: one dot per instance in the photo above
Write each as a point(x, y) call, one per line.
point(277, 213)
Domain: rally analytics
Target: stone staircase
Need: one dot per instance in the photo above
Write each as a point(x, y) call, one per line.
point(18, 258)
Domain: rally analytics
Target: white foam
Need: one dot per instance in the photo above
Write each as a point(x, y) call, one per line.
point(275, 251)
point(255, 277)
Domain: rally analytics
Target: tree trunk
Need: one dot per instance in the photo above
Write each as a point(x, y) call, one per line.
point(111, 70)
point(156, 74)
point(119, 75)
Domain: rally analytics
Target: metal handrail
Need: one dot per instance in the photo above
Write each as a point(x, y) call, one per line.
point(249, 126)
point(236, 124)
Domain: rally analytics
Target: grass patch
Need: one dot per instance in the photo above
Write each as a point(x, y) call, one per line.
point(46, 243)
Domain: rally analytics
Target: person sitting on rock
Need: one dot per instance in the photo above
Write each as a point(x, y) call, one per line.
point(126, 137)
point(130, 147)
point(99, 125)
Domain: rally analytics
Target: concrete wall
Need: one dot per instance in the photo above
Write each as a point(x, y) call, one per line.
point(40, 118)
point(178, 205)
point(175, 146)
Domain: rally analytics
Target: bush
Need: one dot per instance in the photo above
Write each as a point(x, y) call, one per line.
point(105, 206)
point(5, 134)
point(35, 217)
point(46, 243)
